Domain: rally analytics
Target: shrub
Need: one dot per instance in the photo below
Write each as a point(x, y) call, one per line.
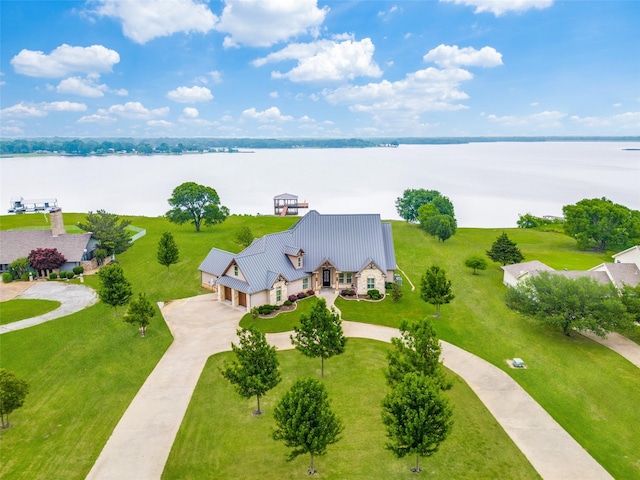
point(310, 293)
point(388, 285)
point(348, 292)
point(7, 277)
point(78, 270)
point(267, 309)
point(301, 295)
point(292, 298)
point(25, 277)
point(53, 276)
point(287, 303)
point(70, 275)
point(373, 294)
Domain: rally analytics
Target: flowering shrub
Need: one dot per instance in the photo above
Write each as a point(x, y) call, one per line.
point(292, 298)
point(301, 295)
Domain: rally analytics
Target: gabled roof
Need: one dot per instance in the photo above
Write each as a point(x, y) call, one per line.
point(600, 277)
point(635, 247)
point(349, 242)
point(620, 274)
point(518, 270)
point(285, 196)
point(16, 244)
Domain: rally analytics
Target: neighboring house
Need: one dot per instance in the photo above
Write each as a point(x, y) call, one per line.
point(319, 251)
point(76, 248)
point(624, 271)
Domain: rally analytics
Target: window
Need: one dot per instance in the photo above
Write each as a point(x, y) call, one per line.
point(341, 277)
point(299, 262)
point(278, 294)
point(235, 270)
point(371, 283)
point(305, 283)
point(349, 279)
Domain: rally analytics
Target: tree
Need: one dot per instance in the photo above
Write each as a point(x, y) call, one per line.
point(396, 292)
point(196, 204)
point(412, 199)
point(446, 227)
point(476, 262)
point(13, 392)
point(505, 251)
point(46, 258)
point(109, 230)
point(435, 288)
point(630, 297)
point(140, 312)
point(244, 237)
point(320, 333)
point(570, 303)
point(417, 417)
point(305, 421)
point(168, 252)
point(255, 370)
point(19, 267)
point(418, 350)
point(599, 223)
point(437, 218)
point(115, 289)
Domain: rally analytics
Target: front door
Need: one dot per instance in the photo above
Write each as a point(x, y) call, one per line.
point(326, 277)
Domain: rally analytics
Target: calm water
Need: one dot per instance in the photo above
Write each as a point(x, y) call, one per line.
point(488, 183)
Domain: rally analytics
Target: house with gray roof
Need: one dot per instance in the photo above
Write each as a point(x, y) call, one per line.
point(319, 251)
point(77, 249)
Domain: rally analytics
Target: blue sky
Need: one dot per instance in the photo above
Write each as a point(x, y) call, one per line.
point(307, 68)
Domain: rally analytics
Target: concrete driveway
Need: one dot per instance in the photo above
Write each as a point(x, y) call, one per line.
point(72, 297)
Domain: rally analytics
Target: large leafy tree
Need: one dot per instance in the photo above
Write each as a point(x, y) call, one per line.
point(13, 392)
point(255, 370)
point(437, 218)
point(417, 350)
point(115, 289)
point(320, 333)
point(305, 421)
point(46, 258)
point(168, 252)
point(244, 236)
point(412, 199)
point(505, 251)
point(417, 417)
point(570, 303)
point(630, 297)
point(599, 223)
point(109, 230)
point(140, 312)
point(196, 204)
point(435, 288)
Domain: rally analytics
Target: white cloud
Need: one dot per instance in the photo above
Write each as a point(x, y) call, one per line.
point(190, 112)
point(268, 115)
point(102, 117)
point(546, 119)
point(145, 20)
point(430, 89)
point(453, 56)
point(190, 94)
point(260, 23)
point(500, 7)
point(627, 120)
point(65, 60)
point(85, 87)
point(326, 60)
point(65, 106)
point(385, 16)
point(135, 110)
point(274, 94)
point(211, 77)
point(159, 123)
point(22, 110)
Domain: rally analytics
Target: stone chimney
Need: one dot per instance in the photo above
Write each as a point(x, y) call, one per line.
point(57, 224)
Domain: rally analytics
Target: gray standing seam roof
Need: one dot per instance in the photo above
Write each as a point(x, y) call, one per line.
point(350, 242)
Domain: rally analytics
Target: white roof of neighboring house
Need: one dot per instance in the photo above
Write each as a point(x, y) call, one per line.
point(635, 247)
point(518, 270)
point(599, 276)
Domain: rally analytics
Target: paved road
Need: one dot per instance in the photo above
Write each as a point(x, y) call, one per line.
point(73, 298)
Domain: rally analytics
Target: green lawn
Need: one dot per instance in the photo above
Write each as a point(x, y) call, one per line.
point(21, 308)
point(81, 375)
point(283, 322)
point(219, 433)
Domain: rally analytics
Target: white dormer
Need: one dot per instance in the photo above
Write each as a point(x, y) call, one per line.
point(295, 256)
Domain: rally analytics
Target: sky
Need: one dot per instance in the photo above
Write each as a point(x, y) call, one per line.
point(327, 69)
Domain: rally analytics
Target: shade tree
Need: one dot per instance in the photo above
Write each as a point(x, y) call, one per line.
point(168, 252)
point(46, 259)
point(196, 204)
point(13, 392)
point(140, 312)
point(435, 288)
point(476, 262)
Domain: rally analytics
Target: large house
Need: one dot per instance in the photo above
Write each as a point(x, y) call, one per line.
point(624, 270)
point(77, 249)
point(319, 251)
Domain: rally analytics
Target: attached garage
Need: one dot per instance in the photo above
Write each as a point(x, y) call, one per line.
point(242, 299)
point(228, 294)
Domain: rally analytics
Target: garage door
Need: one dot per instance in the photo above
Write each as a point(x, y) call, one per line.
point(227, 293)
point(242, 299)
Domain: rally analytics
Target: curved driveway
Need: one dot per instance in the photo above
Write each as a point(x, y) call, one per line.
point(73, 298)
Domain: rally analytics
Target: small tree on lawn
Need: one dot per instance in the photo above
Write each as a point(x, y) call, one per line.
point(140, 312)
point(46, 259)
point(476, 262)
point(505, 251)
point(396, 292)
point(244, 237)
point(168, 252)
point(255, 370)
point(320, 333)
point(435, 288)
point(13, 392)
point(115, 289)
point(418, 350)
point(305, 421)
point(417, 417)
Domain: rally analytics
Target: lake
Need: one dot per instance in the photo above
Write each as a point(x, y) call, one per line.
point(490, 184)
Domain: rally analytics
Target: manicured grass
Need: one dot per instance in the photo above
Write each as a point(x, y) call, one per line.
point(21, 308)
point(220, 438)
point(83, 370)
point(283, 322)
